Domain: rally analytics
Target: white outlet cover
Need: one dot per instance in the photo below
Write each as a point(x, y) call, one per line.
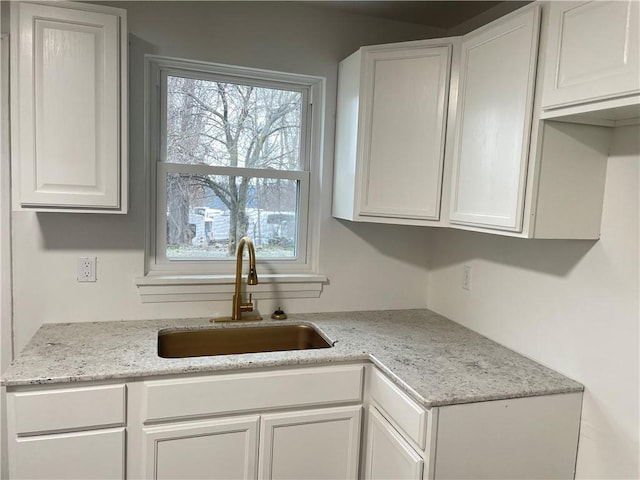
point(86, 269)
point(466, 277)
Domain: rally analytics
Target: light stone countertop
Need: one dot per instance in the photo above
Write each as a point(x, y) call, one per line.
point(436, 361)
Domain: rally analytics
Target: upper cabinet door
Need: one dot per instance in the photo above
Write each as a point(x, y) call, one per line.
point(405, 119)
point(497, 77)
point(593, 52)
point(390, 132)
point(70, 131)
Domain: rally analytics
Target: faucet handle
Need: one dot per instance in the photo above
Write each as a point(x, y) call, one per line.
point(248, 306)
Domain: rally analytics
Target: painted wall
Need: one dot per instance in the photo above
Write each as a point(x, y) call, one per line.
point(369, 266)
point(571, 305)
point(5, 235)
point(5, 201)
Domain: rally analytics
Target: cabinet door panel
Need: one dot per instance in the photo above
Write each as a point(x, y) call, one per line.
point(69, 107)
point(593, 52)
point(215, 450)
point(388, 455)
point(313, 445)
point(494, 122)
point(82, 455)
point(405, 118)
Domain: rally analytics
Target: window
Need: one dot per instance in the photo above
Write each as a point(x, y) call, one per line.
point(232, 153)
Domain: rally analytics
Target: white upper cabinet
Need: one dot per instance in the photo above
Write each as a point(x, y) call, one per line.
point(592, 54)
point(390, 132)
point(480, 133)
point(497, 79)
point(69, 144)
point(513, 173)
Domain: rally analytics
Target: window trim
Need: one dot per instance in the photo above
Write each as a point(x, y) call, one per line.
point(309, 201)
point(195, 288)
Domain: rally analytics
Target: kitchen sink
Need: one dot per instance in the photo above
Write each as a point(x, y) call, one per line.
point(234, 340)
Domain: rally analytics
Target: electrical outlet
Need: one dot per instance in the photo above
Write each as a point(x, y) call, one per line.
point(87, 269)
point(466, 277)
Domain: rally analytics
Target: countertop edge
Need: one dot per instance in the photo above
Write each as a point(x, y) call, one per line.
point(355, 358)
point(26, 373)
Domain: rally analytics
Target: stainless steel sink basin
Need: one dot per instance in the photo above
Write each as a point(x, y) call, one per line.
point(227, 341)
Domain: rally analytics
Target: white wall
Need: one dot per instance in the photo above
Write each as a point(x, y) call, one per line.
point(5, 237)
point(5, 207)
point(369, 266)
point(571, 305)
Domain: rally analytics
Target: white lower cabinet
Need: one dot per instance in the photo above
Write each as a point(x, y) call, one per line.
point(296, 423)
point(67, 433)
point(521, 438)
point(313, 445)
point(211, 449)
point(388, 455)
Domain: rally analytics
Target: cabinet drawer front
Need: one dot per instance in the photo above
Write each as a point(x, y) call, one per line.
point(399, 408)
point(67, 409)
point(213, 395)
point(82, 455)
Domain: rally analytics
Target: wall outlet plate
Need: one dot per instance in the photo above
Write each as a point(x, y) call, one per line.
point(87, 269)
point(466, 277)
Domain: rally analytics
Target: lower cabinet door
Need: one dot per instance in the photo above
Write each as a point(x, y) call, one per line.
point(213, 449)
point(388, 456)
point(312, 444)
point(97, 454)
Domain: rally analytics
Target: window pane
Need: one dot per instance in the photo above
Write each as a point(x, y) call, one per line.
point(231, 125)
point(207, 214)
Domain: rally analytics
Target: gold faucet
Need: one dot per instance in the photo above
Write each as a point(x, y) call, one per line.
point(252, 279)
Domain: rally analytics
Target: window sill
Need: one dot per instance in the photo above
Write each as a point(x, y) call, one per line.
point(198, 288)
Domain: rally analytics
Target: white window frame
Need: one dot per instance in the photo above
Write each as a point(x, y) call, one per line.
point(156, 71)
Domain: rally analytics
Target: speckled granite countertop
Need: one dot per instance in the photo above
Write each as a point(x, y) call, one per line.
point(435, 360)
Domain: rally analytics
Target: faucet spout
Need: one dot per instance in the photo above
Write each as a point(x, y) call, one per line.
point(252, 278)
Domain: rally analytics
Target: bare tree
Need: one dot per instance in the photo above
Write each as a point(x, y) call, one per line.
point(225, 124)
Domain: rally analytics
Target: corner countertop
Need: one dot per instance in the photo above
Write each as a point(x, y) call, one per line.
point(436, 361)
